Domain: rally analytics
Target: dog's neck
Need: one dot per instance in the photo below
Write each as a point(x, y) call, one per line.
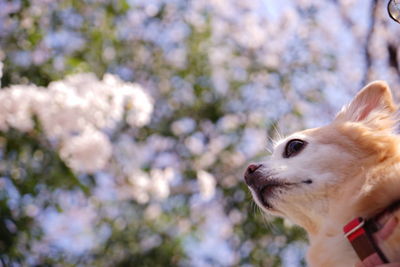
point(378, 191)
point(366, 200)
point(329, 237)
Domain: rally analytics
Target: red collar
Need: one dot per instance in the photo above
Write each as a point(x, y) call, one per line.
point(359, 232)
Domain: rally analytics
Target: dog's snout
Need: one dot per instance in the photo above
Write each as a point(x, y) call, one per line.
point(251, 173)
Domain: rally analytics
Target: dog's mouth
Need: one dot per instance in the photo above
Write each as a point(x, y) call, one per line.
point(269, 190)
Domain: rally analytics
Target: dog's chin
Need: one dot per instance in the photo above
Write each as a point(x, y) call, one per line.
point(267, 197)
point(269, 207)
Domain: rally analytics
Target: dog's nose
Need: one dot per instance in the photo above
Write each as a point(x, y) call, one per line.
point(251, 173)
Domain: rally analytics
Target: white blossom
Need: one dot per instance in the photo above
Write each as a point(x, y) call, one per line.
point(88, 152)
point(206, 183)
point(160, 182)
point(141, 184)
point(183, 126)
point(195, 143)
point(157, 184)
point(139, 106)
point(74, 112)
point(16, 107)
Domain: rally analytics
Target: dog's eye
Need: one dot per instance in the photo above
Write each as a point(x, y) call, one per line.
point(293, 147)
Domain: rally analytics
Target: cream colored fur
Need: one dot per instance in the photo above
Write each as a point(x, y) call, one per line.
point(354, 165)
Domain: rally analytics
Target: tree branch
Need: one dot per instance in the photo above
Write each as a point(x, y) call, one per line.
point(368, 40)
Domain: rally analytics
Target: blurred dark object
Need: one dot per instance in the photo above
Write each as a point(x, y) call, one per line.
point(393, 59)
point(394, 10)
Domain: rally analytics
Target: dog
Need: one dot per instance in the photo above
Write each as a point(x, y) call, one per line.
point(322, 178)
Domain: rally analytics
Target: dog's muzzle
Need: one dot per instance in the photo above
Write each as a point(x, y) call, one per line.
point(261, 185)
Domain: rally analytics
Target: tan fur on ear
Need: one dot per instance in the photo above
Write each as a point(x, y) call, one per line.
point(375, 98)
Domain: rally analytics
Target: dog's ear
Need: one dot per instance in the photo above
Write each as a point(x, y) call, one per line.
point(373, 99)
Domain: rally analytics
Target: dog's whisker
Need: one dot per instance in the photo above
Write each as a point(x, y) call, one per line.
point(270, 145)
point(276, 131)
point(254, 207)
point(268, 222)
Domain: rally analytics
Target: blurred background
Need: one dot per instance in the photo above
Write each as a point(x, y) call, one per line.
point(126, 125)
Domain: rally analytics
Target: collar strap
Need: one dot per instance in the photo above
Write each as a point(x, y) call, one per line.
point(359, 233)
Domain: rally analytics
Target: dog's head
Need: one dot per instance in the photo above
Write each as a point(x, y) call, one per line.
point(313, 172)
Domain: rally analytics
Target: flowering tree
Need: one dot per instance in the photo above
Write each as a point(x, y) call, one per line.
point(98, 170)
